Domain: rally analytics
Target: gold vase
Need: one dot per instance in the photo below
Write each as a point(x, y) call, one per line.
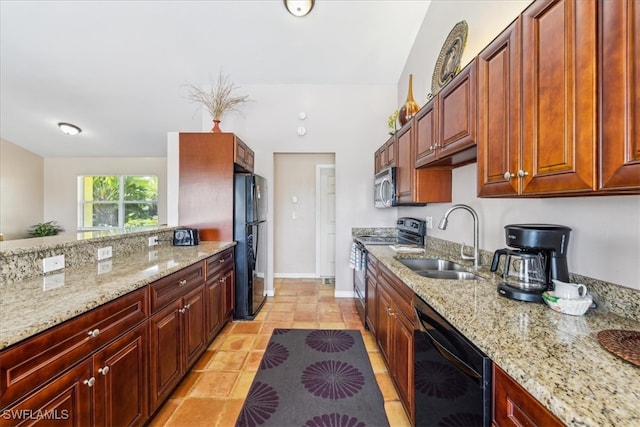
point(410, 107)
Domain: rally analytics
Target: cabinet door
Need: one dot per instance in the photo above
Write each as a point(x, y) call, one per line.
point(228, 294)
point(558, 96)
point(402, 360)
point(213, 316)
point(426, 134)
point(405, 166)
point(194, 325)
point(122, 380)
point(165, 352)
point(391, 151)
point(619, 92)
point(457, 113)
point(384, 322)
point(65, 401)
point(514, 406)
point(499, 114)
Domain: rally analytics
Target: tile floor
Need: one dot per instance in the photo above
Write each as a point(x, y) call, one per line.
point(213, 392)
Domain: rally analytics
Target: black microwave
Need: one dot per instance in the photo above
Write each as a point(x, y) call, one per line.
point(384, 188)
point(185, 237)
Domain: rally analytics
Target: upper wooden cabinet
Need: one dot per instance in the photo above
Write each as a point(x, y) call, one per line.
point(557, 102)
point(418, 186)
point(207, 163)
point(619, 92)
point(446, 126)
point(385, 156)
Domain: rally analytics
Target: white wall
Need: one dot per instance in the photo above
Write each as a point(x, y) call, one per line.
point(605, 241)
point(61, 182)
point(350, 121)
point(21, 190)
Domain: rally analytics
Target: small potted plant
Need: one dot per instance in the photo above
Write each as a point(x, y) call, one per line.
point(42, 229)
point(217, 99)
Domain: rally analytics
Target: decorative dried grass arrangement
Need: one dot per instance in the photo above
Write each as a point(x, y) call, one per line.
point(217, 99)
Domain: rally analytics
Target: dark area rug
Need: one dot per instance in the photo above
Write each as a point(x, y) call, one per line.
point(314, 378)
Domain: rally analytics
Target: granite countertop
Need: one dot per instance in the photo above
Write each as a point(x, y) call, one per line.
point(554, 356)
point(31, 306)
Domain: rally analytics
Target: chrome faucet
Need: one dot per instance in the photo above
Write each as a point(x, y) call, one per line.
point(476, 251)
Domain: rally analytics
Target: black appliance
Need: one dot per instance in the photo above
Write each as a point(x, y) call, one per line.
point(250, 234)
point(548, 242)
point(408, 231)
point(185, 237)
point(452, 378)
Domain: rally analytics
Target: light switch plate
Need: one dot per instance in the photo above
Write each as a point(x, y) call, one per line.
point(52, 263)
point(104, 253)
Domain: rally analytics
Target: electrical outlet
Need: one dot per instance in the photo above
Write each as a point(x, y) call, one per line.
point(104, 253)
point(52, 263)
point(153, 255)
point(105, 267)
point(153, 240)
point(429, 221)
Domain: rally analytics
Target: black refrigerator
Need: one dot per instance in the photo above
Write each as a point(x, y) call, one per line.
point(250, 234)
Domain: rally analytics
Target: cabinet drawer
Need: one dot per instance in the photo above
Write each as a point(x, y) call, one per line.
point(400, 293)
point(172, 287)
point(219, 263)
point(30, 364)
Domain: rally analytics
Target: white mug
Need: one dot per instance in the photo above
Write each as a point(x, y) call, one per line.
point(569, 290)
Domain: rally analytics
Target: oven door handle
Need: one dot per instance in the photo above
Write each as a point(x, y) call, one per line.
point(386, 202)
point(462, 366)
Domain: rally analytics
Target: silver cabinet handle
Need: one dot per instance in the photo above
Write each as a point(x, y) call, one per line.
point(94, 333)
point(182, 282)
point(90, 382)
point(221, 280)
point(508, 175)
point(221, 261)
point(182, 310)
point(522, 173)
point(104, 370)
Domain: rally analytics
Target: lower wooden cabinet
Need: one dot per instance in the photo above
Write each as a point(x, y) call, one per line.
point(394, 333)
point(220, 292)
point(514, 406)
point(177, 339)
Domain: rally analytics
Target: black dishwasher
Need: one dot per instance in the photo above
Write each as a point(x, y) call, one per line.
point(452, 378)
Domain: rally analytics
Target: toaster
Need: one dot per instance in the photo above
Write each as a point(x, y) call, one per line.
point(185, 237)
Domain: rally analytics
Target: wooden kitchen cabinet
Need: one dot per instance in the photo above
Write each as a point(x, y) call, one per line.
point(446, 129)
point(177, 339)
point(418, 186)
point(514, 406)
point(385, 156)
point(220, 287)
point(619, 94)
point(207, 162)
point(395, 333)
point(63, 368)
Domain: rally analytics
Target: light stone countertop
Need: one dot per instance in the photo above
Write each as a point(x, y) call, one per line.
point(31, 306)
point(554, 356)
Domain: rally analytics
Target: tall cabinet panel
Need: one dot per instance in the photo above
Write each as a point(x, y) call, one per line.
point(619, 91)
point(499, 114)
point(559, 96)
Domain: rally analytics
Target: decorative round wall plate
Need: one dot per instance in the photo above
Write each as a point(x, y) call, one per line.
point(448, 63)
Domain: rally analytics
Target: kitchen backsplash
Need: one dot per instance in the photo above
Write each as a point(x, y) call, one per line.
point(22, 259)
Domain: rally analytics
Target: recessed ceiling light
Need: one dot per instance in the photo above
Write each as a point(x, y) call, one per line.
point(69, 129)
point(299, 7)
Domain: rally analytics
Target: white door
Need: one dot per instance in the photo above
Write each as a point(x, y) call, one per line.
point(326, 227)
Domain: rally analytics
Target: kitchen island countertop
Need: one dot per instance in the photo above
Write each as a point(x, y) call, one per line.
point(554, 356)
point(31, 306)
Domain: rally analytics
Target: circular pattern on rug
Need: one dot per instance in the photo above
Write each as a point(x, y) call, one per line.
point(334, 420)
point(261, 402)
point(439, 380)
point(461, 419)
point(327, 341)
point(274, 355)
point(332, 379)
point(280, 331)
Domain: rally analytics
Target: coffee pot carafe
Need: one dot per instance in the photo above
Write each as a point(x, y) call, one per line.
point(539, 257)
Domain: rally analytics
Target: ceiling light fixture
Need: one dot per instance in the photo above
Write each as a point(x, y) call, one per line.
point(69, 129)
point(299, 7)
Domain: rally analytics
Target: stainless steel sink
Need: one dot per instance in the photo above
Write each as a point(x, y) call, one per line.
point(422, 264)
point(436, 268)
point(448, 275)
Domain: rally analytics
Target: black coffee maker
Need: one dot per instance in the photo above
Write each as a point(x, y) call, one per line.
point(539, 257)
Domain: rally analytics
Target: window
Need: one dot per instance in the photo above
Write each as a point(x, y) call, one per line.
point(118, 201)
